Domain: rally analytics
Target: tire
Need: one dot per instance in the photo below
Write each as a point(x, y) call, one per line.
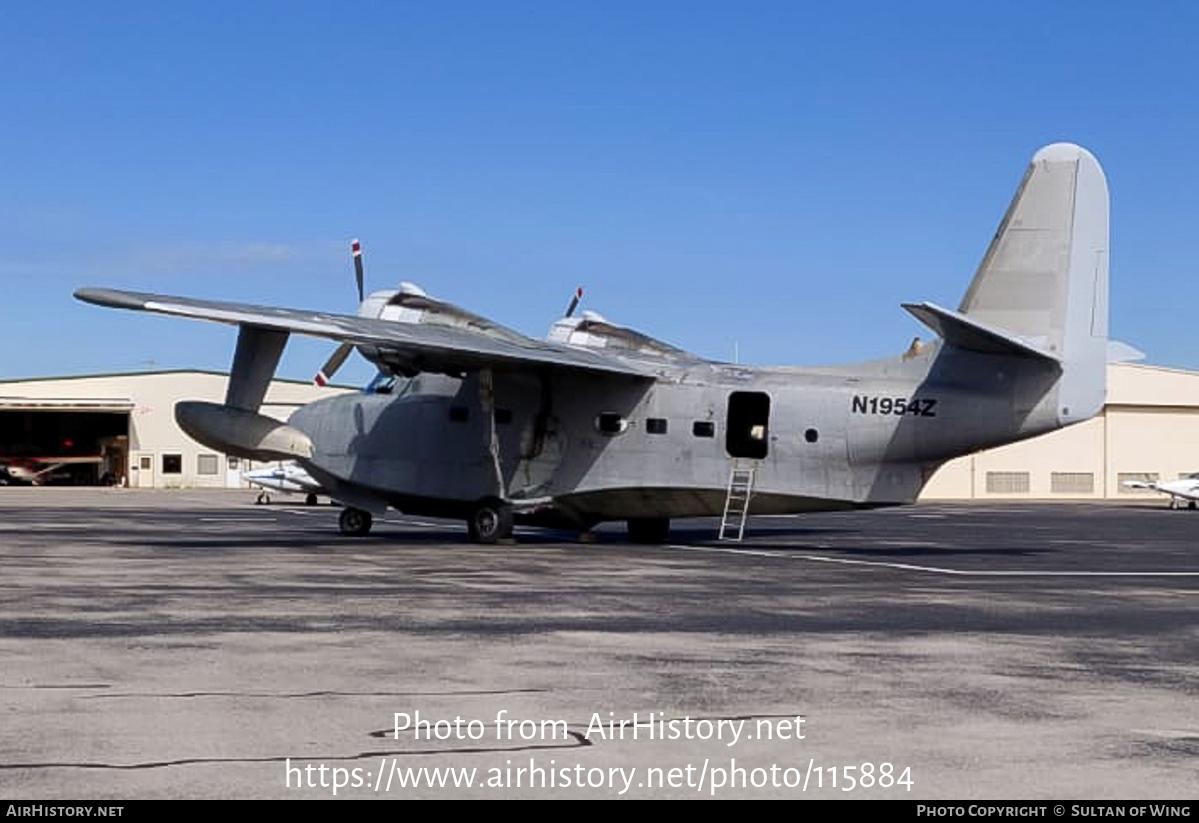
point(310, 500)
point(490, 521)
point(354, 522)
point(649, 530)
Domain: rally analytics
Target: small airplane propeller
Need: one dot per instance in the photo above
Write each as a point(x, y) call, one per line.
point(574, 303)
point(333, 364)
point(356, 250)
point(343, 351)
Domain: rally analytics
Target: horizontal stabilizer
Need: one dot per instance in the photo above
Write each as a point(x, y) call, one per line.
point(962, 332)
point(1118, 352)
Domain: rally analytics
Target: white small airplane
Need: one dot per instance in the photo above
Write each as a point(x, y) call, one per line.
point(287, 477)
point(1183, 490)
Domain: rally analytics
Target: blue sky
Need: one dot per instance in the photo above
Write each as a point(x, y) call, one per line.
point(776, 175)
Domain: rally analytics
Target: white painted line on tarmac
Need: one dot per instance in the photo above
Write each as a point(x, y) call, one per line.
point(25, 527)
point(247, 519)
point(424, 524)
point(913, 567)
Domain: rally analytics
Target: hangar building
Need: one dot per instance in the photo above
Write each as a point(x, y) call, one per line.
point(120, 428)
point(1148, 430)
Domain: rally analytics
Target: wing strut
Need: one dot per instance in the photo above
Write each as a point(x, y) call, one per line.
point(236, 427)
point(254, 362)
point(487, 401)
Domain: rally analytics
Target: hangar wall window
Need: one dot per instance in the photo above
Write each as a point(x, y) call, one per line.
point(206, 464)
point(1141, 477)
point(655, 425)
point(1007, 483)
point(703, 428)
point(1072, 483)
point(172, 464)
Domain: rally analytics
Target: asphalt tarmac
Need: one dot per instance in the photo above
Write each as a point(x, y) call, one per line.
point(190, 644)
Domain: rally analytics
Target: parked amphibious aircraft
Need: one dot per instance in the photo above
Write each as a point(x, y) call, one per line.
point(601, 423)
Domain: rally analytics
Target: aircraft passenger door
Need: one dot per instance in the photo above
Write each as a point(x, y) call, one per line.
point(747, 427)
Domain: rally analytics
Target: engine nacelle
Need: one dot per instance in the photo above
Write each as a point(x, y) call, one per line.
point(592, 331)
point(411, 304)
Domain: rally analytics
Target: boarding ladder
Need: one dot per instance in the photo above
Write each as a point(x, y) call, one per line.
point(736, 501)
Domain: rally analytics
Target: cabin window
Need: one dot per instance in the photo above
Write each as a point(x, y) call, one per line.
point(811, 435)
point(656, 425)
point(458, 414)
point(611, 423)
point(748, 418)
point(172, 464)
point(703, 428)
point(207, 464)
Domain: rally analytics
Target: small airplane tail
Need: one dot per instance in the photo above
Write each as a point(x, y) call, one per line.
point(1041, 291)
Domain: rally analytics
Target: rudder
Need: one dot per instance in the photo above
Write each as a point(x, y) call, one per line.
point(1044, 277)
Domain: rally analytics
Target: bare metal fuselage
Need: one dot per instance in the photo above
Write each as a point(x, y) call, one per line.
point(584, 448)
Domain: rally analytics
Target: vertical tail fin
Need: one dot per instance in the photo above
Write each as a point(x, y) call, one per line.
point(1045, 276)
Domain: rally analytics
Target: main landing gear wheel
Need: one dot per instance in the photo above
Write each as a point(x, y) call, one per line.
point(649, 529)
point(490, 521)
point(310, 500)
point(354, 522)
point(262, 499)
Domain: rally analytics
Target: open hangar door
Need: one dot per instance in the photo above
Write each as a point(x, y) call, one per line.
point(56, 442)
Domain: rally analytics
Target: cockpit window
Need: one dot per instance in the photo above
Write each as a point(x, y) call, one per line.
point(381, 384)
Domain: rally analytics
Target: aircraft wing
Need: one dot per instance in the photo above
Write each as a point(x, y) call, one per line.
point(426, 347)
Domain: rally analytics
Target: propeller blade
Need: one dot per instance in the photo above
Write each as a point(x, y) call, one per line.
point(356, 249)
point(333, 364)
point(574, 303)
